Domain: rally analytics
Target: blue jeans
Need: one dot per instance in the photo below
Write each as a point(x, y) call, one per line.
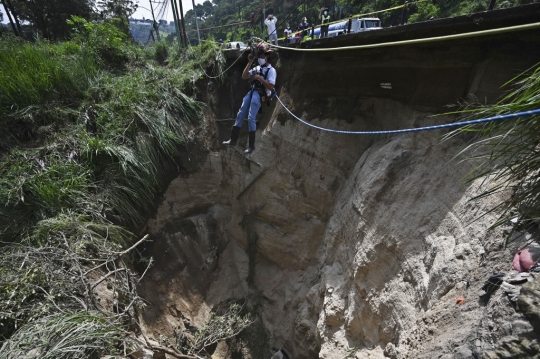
point(273, 37)
point(251, 103)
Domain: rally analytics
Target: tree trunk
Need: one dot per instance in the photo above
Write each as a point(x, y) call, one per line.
point(8, 13)
point(11, 9)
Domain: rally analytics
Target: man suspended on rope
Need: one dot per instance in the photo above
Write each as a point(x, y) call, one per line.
point(262, 79)
point(325, 20)
point(270, 22)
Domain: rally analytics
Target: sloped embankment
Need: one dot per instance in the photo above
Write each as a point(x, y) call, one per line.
point(345, 245)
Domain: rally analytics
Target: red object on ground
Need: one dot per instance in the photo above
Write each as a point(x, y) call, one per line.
point(523, 261)
point(460, 300)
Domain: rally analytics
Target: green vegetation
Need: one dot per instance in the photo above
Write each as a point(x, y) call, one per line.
point(33, 80)
point(506, 153)
point(49, 18)
point(90, 133)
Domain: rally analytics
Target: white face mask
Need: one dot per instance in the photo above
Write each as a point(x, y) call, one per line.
point(262, 61)
point(325, 13)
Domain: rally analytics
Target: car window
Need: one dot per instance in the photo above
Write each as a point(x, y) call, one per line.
point(372, 23)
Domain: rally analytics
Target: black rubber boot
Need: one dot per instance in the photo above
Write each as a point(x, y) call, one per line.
point(235, 131)
point(251, 146)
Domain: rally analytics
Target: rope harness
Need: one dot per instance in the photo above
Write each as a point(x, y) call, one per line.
point(261, 90)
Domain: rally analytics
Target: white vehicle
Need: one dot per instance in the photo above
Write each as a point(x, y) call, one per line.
point(235, 45)
point(357, 25)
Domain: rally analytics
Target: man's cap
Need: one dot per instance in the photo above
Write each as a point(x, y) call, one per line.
point(304, 18)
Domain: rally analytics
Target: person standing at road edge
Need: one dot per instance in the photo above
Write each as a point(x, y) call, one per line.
point(270, 22)
point(303, 26)
point(325, 20)
point(287, 34)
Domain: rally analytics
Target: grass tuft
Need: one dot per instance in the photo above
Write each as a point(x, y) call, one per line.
point(507, 153)
point(64, 336)
point(39, 75)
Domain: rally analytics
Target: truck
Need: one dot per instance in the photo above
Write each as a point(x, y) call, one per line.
point(357, 25)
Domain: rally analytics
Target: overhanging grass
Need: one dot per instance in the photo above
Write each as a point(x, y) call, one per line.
point(113, 172)
point(140, 123)
point(507, 153)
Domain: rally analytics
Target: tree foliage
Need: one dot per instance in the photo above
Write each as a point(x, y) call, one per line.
point(118, 12)
point(49, 16)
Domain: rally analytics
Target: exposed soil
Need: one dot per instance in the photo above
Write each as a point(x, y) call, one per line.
point(345, 246)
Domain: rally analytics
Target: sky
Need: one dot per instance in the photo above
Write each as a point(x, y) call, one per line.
point(144, 9)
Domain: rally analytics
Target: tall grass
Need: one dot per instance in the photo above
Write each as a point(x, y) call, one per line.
point(507, 153)
point(140, 123)
point(111, 173)
point(34, 75)
point(105, 142)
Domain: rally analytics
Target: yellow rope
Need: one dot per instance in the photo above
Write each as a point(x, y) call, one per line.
point(360, 15)
point(420, 41)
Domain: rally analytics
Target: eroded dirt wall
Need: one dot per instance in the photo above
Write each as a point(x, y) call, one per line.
point(348, 246)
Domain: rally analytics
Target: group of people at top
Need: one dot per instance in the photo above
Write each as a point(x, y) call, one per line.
point(302, 32)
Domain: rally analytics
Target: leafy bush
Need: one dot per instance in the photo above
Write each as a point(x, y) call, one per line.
point(140, 122)
point(36, 185)
point(104, 39)
point(424, 12)
point(161, 52)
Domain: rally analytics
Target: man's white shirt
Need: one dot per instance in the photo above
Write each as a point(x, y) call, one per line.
point(271, 25)
point(271, 77)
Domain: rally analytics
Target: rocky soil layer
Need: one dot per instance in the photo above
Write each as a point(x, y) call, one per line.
point(347, 246)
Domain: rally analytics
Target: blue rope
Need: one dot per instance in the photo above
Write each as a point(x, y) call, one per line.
point(418, 129)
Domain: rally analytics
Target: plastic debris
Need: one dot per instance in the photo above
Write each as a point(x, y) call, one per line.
point(525, 259)
point(511, 290)
point(491, 285)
